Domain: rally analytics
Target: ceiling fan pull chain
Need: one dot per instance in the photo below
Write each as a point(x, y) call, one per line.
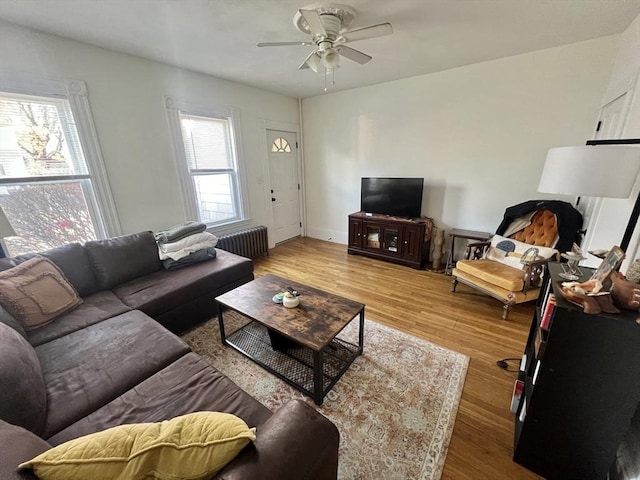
point(331, 72)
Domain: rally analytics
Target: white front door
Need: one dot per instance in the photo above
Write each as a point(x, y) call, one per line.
point(285, 184)
point(612, 118)
point(607, 218)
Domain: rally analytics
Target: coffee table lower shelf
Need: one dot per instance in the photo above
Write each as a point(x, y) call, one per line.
point(292, 362)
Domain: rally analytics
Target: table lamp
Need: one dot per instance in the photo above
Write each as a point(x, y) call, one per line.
point(6, 230)
point(602, 168)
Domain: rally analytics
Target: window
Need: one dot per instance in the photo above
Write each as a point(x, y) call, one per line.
point(207, 154)
point(47, 189)
point(280, 145)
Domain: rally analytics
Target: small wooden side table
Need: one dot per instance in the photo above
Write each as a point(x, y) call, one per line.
point(458, 233)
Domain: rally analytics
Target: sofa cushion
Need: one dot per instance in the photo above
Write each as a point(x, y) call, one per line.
point(18, 445)
point(121, 259)
point(23, 401)
point(92, 366)
point(195, 446)
point(7, 319)
point(35, 292)
point(71, 259)
point(187, 385)
point(162, 291)
point(94, 308)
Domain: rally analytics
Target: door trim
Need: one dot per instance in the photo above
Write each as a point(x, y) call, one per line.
point(266, 175)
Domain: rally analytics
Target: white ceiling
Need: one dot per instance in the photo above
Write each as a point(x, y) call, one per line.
point(219, 37)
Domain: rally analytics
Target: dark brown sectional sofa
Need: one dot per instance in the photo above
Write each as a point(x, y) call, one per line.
point(111, 361)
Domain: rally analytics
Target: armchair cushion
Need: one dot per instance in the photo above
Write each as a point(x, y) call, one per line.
point(542, 230)
point(494, 273)
point(510, 252)
point(503, 294)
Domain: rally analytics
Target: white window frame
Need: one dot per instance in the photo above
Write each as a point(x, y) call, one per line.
point(102, 209)
point(174, 108)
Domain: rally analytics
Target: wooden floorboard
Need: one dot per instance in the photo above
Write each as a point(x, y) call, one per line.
point(421, 303)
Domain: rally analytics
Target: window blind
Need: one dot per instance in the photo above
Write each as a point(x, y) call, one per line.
point(207, 143)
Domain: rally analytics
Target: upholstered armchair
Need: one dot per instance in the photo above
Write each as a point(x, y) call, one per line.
point(510, 266)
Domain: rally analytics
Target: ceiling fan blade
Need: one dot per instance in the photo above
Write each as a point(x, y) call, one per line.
point(304, 64)
point(313, 19)
point(284, 44)
point(353, 54)
point(379, 30)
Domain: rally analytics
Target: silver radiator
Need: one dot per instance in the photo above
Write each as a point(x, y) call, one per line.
point(250, 243)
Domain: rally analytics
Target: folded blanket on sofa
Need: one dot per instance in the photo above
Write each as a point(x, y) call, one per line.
point(190, 244)
point(195, 257)
point(179, 232)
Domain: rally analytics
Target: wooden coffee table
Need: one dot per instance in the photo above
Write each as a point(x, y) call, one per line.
point(299, 345)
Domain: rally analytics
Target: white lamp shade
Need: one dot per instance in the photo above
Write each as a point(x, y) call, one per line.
point(6, 230)
point(592, 171)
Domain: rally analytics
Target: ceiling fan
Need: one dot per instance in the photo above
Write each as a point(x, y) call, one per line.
point(328, 26)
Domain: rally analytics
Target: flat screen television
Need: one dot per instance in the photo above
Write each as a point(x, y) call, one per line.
point(399, 197)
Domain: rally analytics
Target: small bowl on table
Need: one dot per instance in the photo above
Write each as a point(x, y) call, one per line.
point(289, 300)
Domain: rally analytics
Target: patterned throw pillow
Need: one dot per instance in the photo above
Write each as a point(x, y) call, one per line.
point(510, 252)
point(36, 292)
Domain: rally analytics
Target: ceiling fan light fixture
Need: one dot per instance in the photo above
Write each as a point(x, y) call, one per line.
point(314, 62)
point(331, 59)
point(328, 27)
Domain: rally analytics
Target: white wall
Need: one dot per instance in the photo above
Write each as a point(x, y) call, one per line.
point(126, 97)
point(477, 134)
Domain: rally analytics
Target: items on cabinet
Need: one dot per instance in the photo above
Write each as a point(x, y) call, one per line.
point(580, 387)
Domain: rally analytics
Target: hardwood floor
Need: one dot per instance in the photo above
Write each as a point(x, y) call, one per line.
point(421, 303)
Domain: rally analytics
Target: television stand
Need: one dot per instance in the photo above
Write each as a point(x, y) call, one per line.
point(395, 239)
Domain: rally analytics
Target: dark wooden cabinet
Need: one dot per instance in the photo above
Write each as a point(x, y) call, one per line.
point(396, 239)
point(580, 376)
point(412, 242)
point(355, 232)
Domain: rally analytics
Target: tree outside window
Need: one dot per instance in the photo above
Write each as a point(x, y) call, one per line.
point(46, 191)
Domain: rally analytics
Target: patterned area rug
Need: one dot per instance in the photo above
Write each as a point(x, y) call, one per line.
point(395, 407)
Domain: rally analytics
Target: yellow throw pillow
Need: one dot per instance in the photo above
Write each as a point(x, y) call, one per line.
point(190, 447)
